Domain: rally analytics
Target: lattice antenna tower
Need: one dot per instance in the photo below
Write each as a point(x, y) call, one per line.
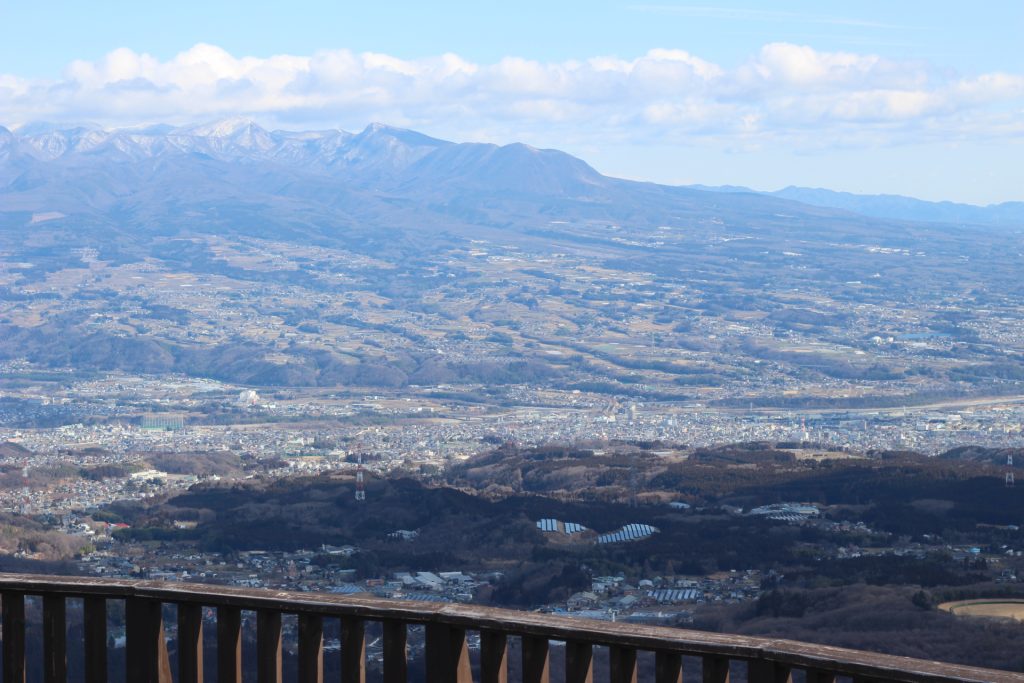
point(360, 483)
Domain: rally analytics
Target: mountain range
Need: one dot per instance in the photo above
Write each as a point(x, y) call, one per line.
point(893, 206)
point(89, 185)
point(380, 156)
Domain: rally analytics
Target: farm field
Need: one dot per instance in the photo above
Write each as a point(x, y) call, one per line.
point(1003, 609)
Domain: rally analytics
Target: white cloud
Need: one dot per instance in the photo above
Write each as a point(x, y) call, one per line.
point(782, 92)
point(802, 66)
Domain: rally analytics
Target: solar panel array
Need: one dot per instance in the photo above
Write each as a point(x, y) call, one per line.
point(791, 517)
point(549, 525)
point(630, 532)
point(425, 597)
point(674, 594)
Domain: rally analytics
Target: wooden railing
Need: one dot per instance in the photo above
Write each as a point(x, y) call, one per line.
point(446, 651)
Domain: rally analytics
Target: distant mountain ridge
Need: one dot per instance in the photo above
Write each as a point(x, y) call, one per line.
point(235, 177)
point(394, 159)
point(375, 154)
point(87, 167)
point(893, 206)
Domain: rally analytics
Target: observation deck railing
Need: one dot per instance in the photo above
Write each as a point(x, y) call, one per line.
point(446, 651)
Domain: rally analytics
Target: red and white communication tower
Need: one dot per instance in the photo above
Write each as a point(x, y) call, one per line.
point(1009, 470)
point(360, 485)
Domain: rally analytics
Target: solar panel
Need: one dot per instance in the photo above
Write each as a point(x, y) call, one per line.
point(629, 532)
point(548, 525)
point(673, 594)
point(425, 597)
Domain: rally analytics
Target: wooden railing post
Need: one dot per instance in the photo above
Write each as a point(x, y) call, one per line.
point(353, 651)
point(396, 667)
point(668, 667)
point(820, 676)
point(715, 669)
point(146, 646)
point(579, 662)
point(621, 664)
point(763, 671)
point(493, 657)
point(536, 663)
point(311, 648)
point(447, 655)
point(458, 656)
point(55, 655)
point(190, 643)
point(229, 644)
point(94, 616)
point(268, 646)
point(435, 653)
point(13, 609)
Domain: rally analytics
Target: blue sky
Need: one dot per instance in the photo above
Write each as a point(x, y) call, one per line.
point(919, 98)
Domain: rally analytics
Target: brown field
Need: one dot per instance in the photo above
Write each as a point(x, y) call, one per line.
point(1003, 609)
point(806, 454)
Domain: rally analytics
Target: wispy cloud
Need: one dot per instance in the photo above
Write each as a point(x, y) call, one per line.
point(785, 92)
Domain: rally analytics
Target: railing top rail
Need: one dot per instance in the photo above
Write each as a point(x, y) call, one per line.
point(797, 654)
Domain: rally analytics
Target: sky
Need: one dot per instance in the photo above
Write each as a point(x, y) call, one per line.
point(918, 98)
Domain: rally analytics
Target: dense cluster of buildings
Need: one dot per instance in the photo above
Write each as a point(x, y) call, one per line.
point(667, 600)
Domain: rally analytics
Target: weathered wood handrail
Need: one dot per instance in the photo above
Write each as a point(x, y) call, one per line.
point(447, 655)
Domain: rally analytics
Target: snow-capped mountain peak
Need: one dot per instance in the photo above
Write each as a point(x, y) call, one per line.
point(378, 156)
point(224, 128)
